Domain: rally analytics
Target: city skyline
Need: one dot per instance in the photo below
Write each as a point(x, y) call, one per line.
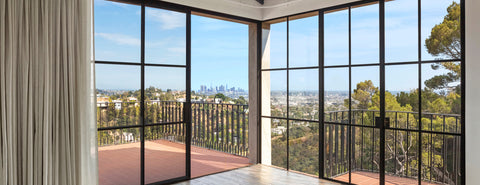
point(218, 87)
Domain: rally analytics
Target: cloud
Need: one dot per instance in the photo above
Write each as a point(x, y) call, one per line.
point(168, 19)
point(180, 50)
point(120, 38)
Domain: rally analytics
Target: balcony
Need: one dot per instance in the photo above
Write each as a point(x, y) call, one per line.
point(440, 148)
point(219, 140)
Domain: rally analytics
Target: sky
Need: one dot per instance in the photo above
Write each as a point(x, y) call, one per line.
point(220, 48)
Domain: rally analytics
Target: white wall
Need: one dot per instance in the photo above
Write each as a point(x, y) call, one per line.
point(301, 6)
point(266, 110)
point(250, 9)
point(222, 6)
point(472, 91)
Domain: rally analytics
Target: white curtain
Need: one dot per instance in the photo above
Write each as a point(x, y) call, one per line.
point(47, 109)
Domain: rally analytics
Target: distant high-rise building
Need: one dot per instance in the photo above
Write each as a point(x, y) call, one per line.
point(203, 88)
point(221, 88)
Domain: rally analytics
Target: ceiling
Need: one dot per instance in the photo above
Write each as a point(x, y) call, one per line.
point(254, 10)
point(266, 3)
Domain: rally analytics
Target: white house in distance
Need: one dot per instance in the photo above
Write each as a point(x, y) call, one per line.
point(279, 130)
point(128, 137)
point(131, 99)
point(118, 104)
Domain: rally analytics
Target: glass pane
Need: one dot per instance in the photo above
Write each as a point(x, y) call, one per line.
point(303, 94)
point(165, 155)
point(278, 46)
point(441, 97)
point(118, 92)
point(164, 94)
point(219, 60)
point(336, 95)
point(220, 134)
point(278, 141)
point(441, 108)
point(401, 31)
point(117, 31)
point(401, 96)
point(336, 38)
point(441, 30)
point(401, 156)
point(366, 155)
point(274, 93)
point(303, 147)
point(336, 136)
point(365, 34)
point(365, 109)
point(165, 37)
point(119, 156)
point(401, 106)
point(336, 152)
point(441, 159)
point(365, 95)
point(220, 95)
point(164, 144)
point(303, 42)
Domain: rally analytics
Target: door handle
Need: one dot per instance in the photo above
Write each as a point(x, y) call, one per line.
point(378, 122)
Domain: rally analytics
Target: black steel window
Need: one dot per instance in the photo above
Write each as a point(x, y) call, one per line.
point(135, 116)
point(332, 91)
point(144, 95)
point(390, 93)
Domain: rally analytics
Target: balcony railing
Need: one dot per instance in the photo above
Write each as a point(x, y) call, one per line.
point(440, 144)
point(221, 127)
point(224, 127)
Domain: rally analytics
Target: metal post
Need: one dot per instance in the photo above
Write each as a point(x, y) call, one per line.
point(142, 95)
point(321, 95)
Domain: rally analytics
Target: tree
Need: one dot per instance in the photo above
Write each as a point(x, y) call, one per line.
point(440, 106)
point(410, 98)
point(445, 40)
point(397, 151)
point(363, 94)
point(240, 100)
point(222, 96)
point(166, 96)
point(111, 112)
point(441, 81)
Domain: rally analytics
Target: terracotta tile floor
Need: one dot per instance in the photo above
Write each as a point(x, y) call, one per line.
point(368, 178)
point(120, 164)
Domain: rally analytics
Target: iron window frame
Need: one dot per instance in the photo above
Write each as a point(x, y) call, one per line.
point(142, 64)
point(381, 64)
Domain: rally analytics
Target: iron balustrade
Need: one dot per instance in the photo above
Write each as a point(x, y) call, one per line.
point(221, 127)
point(440, 151)
point(224, 127)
